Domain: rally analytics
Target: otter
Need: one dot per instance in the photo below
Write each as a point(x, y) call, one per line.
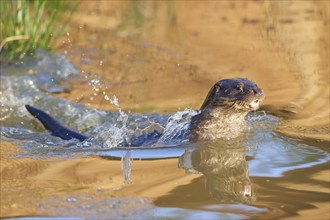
point(222, 115)
point(224, 109)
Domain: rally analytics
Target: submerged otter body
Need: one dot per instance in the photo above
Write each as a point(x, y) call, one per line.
point(222, 115)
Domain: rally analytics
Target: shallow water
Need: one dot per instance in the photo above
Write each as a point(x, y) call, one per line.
point(279, 167)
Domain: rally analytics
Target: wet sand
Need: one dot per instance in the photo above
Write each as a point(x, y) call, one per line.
point(282, 46)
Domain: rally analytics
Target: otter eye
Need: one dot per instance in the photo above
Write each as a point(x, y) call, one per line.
point(253, 91)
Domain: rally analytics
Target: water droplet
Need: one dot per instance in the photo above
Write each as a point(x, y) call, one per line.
point(71, 200)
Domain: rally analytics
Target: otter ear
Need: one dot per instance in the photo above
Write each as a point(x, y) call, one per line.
point(210, 96)
point(217, 87)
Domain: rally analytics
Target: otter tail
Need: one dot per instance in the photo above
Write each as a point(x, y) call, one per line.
point(52, 125)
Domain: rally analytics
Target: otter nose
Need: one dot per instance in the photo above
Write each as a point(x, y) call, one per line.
point(257, 92)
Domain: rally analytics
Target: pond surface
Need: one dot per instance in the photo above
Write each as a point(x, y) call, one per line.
point(279, 167)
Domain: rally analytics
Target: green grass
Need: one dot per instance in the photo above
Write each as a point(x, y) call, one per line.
point(30, 24)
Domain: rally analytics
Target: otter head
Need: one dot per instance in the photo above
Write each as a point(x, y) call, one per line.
point(234, 96)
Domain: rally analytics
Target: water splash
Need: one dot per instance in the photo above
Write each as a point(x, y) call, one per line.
point(177, 127)
point(111, 135)
point(109, 131)
point(126, 167)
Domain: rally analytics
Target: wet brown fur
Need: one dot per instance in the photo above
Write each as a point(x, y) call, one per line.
point(224, 109)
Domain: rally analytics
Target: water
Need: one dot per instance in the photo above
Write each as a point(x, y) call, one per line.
point(227, 173)
point(277, 168)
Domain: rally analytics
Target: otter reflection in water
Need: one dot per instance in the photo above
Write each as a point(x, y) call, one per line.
point(222, 115)
point(224, 168)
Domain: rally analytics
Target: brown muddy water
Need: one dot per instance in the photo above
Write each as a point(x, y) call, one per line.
point(162, 57)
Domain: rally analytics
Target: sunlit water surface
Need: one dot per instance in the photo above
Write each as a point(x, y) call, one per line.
point(282, 45)
point(227, 166)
